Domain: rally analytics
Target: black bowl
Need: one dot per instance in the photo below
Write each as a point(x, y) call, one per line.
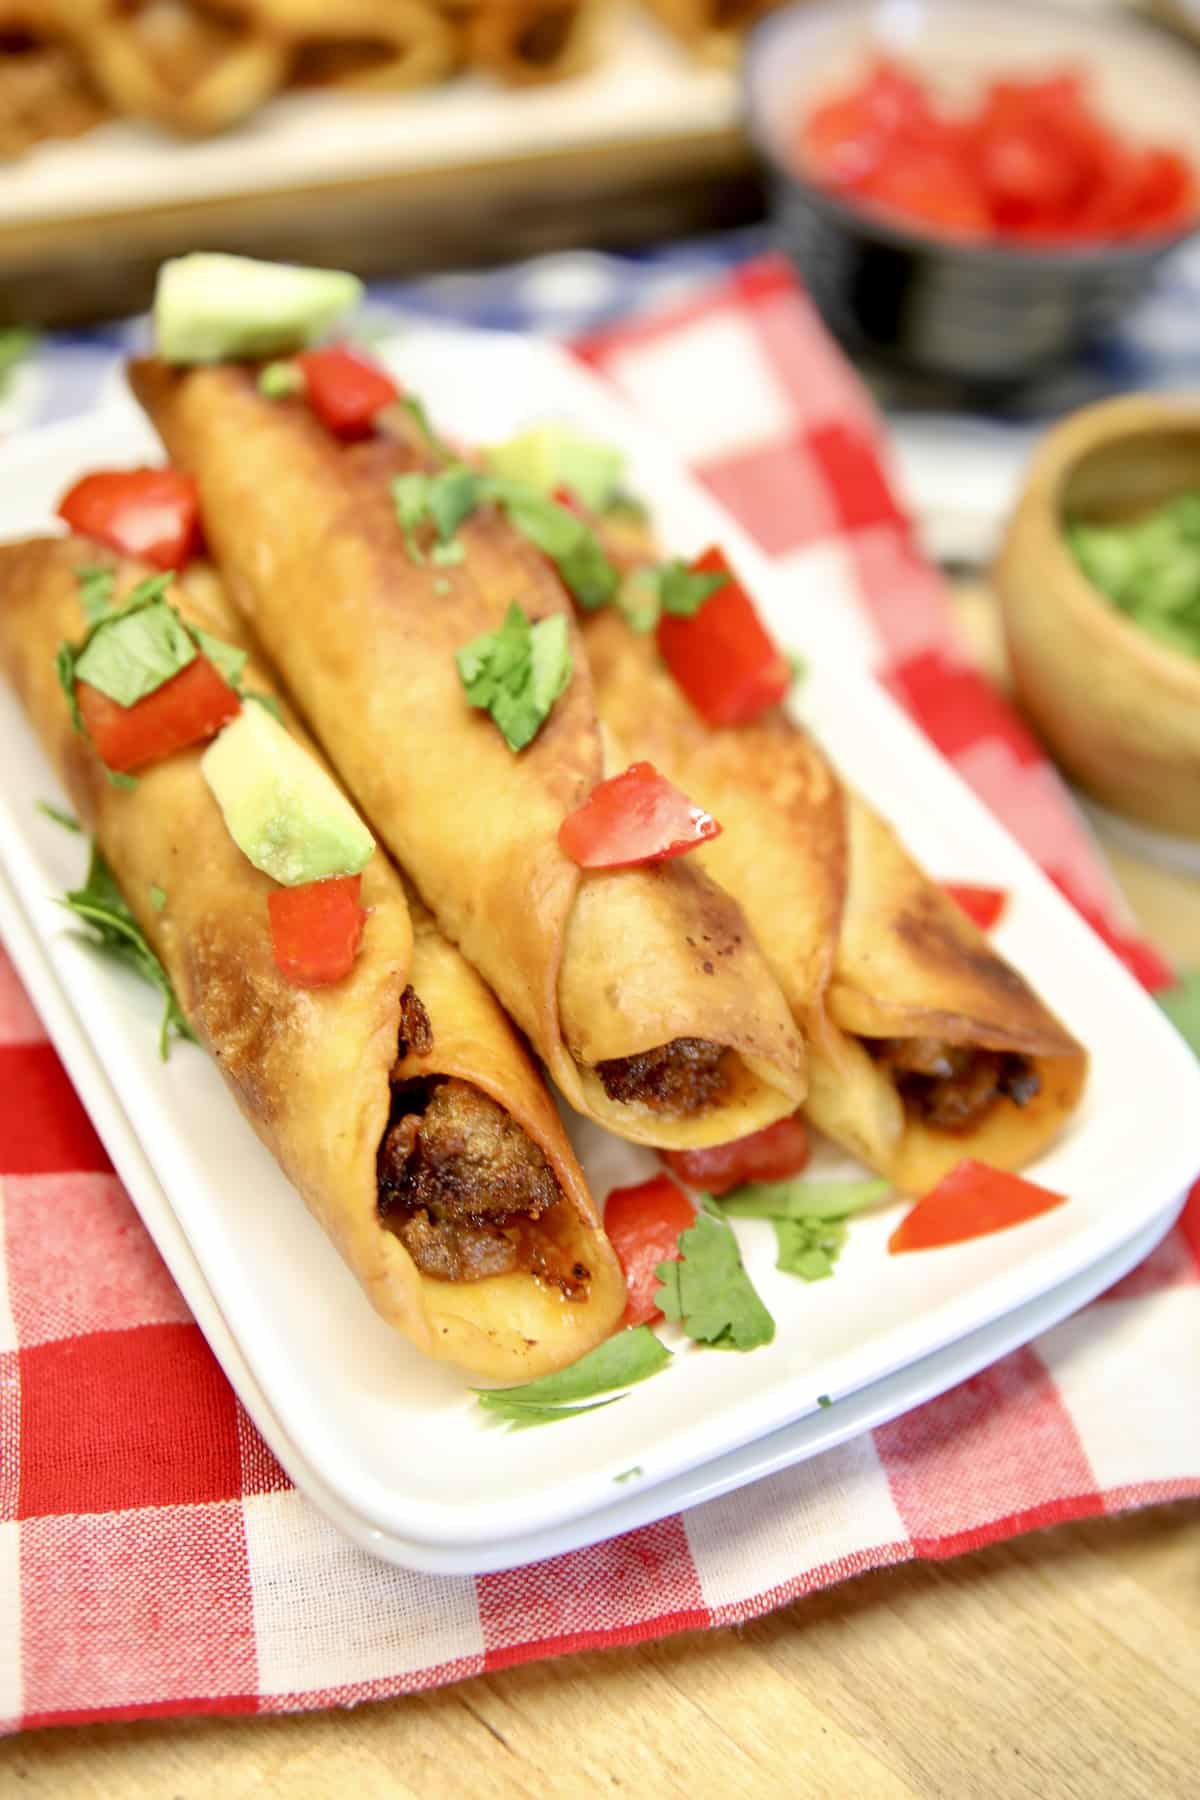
point(984, 314)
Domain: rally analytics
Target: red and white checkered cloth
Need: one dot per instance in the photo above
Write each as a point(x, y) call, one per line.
point(154, 1558)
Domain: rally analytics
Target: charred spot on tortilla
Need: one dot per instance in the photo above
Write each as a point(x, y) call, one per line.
point(952, 1086)
point(680, 1078)
point(462, 1186)
point(928, 929)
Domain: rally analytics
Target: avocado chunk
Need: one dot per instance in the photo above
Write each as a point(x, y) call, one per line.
point(552, 456)
point(282, 809)
point(209, 307)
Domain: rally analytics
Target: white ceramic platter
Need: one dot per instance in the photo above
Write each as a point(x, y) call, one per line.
point(345, 1404)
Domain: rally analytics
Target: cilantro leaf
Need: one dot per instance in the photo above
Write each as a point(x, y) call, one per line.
point(1182, 1006)
point(809, 1247)
point(629, 1474)
point(824, 1400)
point(452, 496)
point(96, 583)
point(517, 673)
point(68, 656)
point(16, 341)
point(410, 497)
point(803, 1200)
point(563, 536)
point(227, 659)
point(622, 1361)
point(133, 653)
point(65, 819)
point(709, 1292)
point(277, 380)
point(101, 905)
point(416, 409)
point(683, 591)
point(798, 665)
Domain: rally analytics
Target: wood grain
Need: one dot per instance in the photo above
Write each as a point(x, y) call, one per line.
point(1062, 1666)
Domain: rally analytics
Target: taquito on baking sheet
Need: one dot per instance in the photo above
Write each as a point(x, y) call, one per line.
point(399, 1101)
point(643, 990)
point(924, 1046)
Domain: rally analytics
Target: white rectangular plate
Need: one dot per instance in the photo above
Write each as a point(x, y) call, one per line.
point(346, 1403)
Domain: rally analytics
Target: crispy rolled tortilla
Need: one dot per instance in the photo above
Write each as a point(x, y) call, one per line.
point(370, 46)
point(712, 29)
point(196, 66)
point(45, 89)
point(527, 42)
point(399, 1101)
point(924, 1046)
point(642, 989)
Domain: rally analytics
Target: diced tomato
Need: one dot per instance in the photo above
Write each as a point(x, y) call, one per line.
point(1032, 161)
point(972, 1201)
point(636, 817)
point(345, 389)
point(187, 709)
point(776, 1153)
point(722, 656)
point(643, 1224)
point(150, 513)
point(983, 905)
point(316, 929)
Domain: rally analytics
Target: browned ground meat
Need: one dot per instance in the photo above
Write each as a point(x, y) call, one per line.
point(460, 1183)
point(681, 1077)
point(416, 1033)
point(951, 1086)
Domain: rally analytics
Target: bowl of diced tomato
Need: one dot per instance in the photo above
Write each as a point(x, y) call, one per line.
point(975, 189)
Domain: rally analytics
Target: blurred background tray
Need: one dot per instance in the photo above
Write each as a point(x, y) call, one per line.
point(643, 146)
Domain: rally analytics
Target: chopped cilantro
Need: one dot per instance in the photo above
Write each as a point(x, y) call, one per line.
point(800, 1199)
point(146, 594)
point(709, 1292)
point(824, 1400)
point(517, 673)
point(683, 591)
point(809, 1247)
point(135, 653)
point(809, 1218)
point(16, 341)
point(158, 897)
point(798, 665)
point(65, 819)
point(96, 583)
point(101, 905)
point(416, 409)
point(278, 380)
point(628, 1474)
point(446, 499)
point(227, 659)
point(1182, 1006)
point(631, 1356)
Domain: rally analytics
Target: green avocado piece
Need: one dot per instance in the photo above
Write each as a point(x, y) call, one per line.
point(209, 307)
point(553, 456)
point(282, 809)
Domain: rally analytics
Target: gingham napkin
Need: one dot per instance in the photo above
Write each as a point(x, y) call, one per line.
point(154, 1558)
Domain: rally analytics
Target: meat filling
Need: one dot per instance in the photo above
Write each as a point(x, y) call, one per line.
point(681, 1078)
point(462, 1185)
point(951, 1086)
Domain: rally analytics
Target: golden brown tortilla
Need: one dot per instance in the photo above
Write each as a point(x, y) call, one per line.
point(310, 1067)
point(592, 967)
point(865, 947)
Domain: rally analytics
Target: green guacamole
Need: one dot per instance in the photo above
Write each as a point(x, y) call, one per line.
point(1149, 569)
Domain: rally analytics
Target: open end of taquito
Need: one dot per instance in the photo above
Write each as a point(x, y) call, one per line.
point(484, 1177)
point(924, 1046)
point(598, 970)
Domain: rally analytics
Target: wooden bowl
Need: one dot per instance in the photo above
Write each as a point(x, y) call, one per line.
point(1118, 710)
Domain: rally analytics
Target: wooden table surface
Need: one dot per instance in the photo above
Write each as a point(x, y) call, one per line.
point(1062, 1666)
